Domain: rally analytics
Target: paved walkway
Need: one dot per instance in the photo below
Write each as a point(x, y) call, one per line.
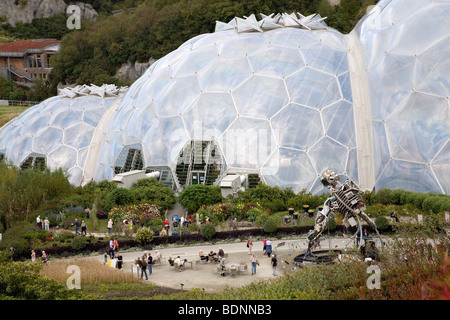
point(203, 276)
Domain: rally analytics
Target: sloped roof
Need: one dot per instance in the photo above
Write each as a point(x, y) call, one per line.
point(23, 46)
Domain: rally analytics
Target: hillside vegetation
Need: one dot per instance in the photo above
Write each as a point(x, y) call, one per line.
point(137, 30)
point(155, 28)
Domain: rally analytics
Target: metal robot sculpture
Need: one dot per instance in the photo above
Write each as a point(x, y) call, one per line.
point(345, 198)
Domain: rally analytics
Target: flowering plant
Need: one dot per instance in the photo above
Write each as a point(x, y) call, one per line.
point(142, 213)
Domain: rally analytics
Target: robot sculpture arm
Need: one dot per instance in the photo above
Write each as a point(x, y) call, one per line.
point(346, 199)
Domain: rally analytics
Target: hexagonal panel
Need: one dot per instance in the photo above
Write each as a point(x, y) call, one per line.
point(419, 129)
point(78, 136)
point(414, 176)
point(260, 97)
point(47, 140)
point(441, 167)
point(178, 97)
point(247, 143)
point(339, 123)
point(433, 77)
point(396, 74)
point(297, 126)
point(66, 118)
point(289, 168)
point(328, 154)
point(163, 141)
point(63, 157)
point(224, 74)
point(313, 88)
point(241, 45)
point(276, 61)
point(326, 59)
point(210, 115)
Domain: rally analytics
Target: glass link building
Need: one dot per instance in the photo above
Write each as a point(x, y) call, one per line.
point(278, 100)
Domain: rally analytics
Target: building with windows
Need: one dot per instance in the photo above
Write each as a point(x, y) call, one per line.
point(278, 100)
point(25, 61)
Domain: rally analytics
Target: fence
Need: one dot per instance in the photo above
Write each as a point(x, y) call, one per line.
point(13, 106)
point(17, 103)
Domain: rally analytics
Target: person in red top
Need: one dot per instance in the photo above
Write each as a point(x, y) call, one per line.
point(166, 224)
point(249, 245)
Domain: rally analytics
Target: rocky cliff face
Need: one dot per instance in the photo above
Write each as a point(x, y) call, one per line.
point(28, 10)
point(133, 71)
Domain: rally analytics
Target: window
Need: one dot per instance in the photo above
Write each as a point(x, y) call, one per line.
point(35, 160)
point(129, 159)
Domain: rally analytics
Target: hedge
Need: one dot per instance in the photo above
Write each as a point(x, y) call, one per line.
point(101, 246)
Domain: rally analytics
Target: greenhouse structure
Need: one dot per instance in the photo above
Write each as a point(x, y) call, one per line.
point(278, 99)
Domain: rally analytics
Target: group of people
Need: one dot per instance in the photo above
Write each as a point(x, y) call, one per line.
point(267, 250)
point(212, 256)
point(83, 227)
point(177, 263)
point(45, 223)
point(146, 262)
point(44, 257)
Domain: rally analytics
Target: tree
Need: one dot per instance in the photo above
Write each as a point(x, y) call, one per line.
point(119, 196)
point(194, 196)
point(152, 191)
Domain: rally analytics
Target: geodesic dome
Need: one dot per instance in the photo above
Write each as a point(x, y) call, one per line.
point(406, 50)
point(58, 131)
point(244, 91)
point(285, 98)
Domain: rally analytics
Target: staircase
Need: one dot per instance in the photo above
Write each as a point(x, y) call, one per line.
point(253, 180)
point(198, 157)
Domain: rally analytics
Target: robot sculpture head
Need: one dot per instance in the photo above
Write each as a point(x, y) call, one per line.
point(330, 179)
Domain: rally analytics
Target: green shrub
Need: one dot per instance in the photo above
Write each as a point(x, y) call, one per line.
point(144, 235)
point(152, 191)
point(208, 231)
point(270, 226)
point(118, 197)
point(79, 243)
point(253, 213)
point(19, 246)
point(382, 223)
point(194, 196)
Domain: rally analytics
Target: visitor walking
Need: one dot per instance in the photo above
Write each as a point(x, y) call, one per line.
point(119, 260)
point(254, 261)
point(77, 226)
point(150, 262)
point(33, 256)
point(110, 225)
point(83, 228)
point(143, 264)
point(274, 265)
point(87, 212)
point(249, 245)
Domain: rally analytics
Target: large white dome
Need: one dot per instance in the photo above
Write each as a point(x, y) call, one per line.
point(285, 98)
point(273, 102)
